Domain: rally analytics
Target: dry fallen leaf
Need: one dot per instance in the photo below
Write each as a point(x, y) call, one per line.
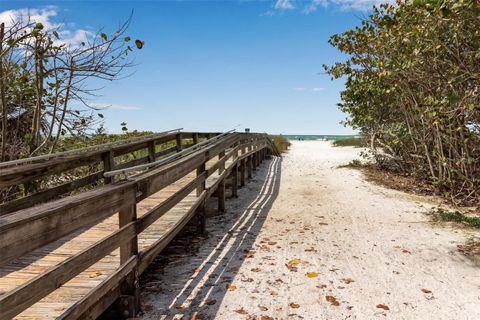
point(265, 318)
point(321, 286)
point(231, 287)
point(348, 280)
point(383, 306)
point(294, 305)
point(255, 270)
point(426, 290)
point(333, 301)
point(241, 311)
point(262, 307)
point(273, 293)
point(94, 274)
point(272, 243)
point(180, 306)
point(312, 274)
point(197, 270)
point(294, 262)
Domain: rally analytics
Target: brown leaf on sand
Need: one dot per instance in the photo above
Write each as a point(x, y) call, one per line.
point(291, 268)
point(321, 286)
point(255, 270)
point(262, 307)
point(348, 280)
point(241, 311)
point(294, 305)
point(265, 318)
point(333, 301)
point(180, 306)
point(211, 302)
point(273, 293)
point(383, 306)
point(426, 290)
point(231, 287)
point(312, 274)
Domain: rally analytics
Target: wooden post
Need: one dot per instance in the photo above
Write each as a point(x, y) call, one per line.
point(151, 151)
point(221, 168)
point(221, 196)
point(234, 175)
point(254, 161)
point(195, 138)
point(129, 288)
point(108, 165)
point(249, 167)
point(178, 138)
point(201, 218)
point(242, 173)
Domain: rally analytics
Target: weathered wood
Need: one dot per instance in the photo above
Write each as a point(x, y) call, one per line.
point(51, 221)
point(49, 194)
point(178, 139)
point(27, 294)
point(242, 173)
point(146, 256)
point(28, 229)
point(151, 151)
point(221, 196)
point(108, 164)
point(128, 249)
point(85, 307)
point(234, 176)
point(249, 167)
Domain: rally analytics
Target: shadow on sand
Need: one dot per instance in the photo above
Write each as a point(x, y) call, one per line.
point(190, 278)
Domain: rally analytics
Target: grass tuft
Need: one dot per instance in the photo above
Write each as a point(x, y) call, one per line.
point(457, 216)
point(349, 142)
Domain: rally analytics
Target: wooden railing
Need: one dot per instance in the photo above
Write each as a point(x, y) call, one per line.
point(101, 158)
point(31, 227)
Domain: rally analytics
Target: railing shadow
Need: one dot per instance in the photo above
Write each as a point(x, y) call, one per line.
point(214, 261)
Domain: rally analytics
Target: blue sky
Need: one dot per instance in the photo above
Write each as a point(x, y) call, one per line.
point(213, 66)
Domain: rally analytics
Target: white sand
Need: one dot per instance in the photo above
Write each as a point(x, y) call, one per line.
point(340, 227)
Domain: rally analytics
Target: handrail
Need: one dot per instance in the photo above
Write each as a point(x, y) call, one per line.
point(100, 147)
point(166, 159)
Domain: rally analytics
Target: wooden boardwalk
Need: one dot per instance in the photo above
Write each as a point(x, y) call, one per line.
point(76, 293)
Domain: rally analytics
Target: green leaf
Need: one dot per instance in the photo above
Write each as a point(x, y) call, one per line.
point(103, 36)
point(38, 26)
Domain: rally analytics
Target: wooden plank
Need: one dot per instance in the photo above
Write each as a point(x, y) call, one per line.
point(146, 256)
point(28, 229)
point(48, 194)
point(17, 300)
point(81, 307)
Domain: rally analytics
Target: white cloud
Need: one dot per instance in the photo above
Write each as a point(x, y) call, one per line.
point(115, 106)
point(46, 16)
point(318, 89)
point(284, 5)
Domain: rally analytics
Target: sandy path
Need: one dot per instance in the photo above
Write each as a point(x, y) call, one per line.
point(362, 244)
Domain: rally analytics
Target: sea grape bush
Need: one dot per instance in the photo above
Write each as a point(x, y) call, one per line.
point(413, 89)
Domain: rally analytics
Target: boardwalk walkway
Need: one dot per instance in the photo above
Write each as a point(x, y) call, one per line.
point(162, 210)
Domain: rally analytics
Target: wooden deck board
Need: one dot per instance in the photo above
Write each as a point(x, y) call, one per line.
point(28, 266)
